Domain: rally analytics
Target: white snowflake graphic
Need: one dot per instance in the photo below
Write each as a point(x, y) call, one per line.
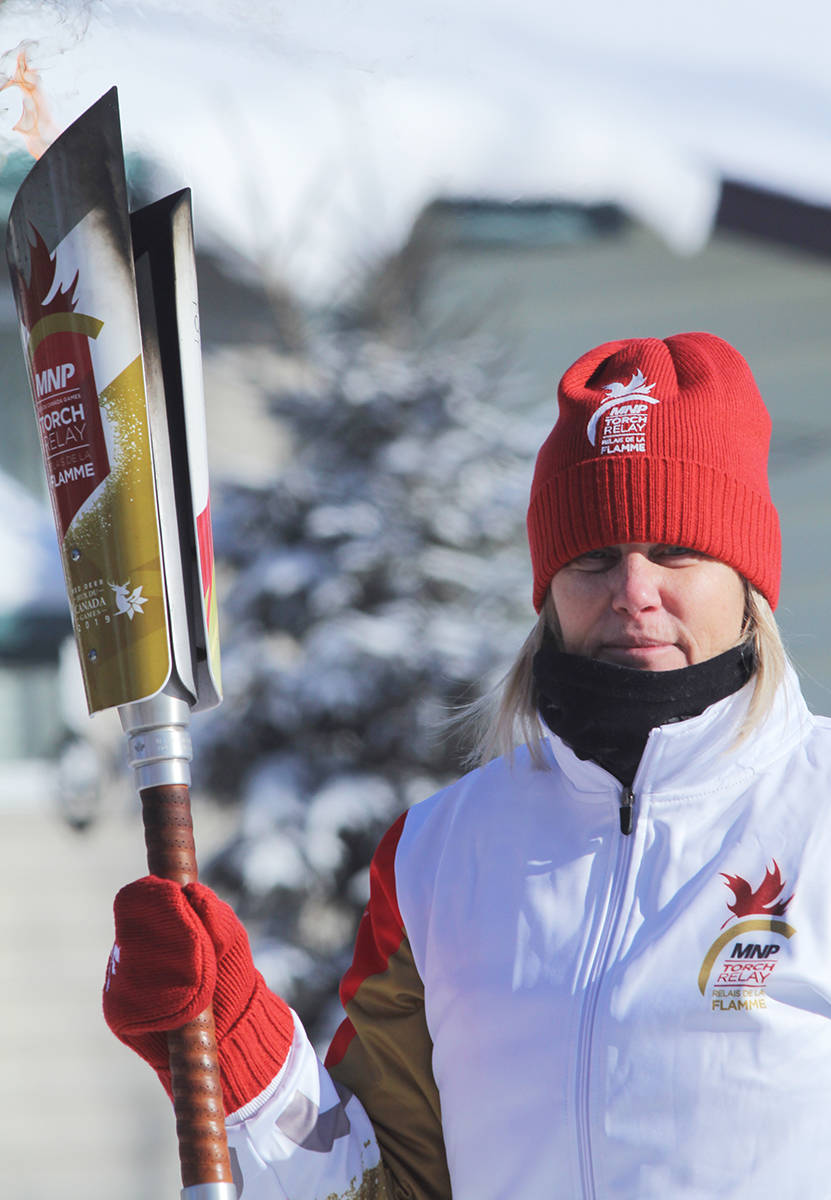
point(126, 601)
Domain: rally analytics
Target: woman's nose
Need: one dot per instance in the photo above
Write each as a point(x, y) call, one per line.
point(635, 584)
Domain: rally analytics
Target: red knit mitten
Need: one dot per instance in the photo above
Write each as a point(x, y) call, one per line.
point(176, 949)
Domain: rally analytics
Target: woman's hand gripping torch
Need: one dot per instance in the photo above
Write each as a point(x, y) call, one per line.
point(109, 318)
point(159, 752)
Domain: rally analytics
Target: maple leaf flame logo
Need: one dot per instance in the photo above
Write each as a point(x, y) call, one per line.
point(763, 901)
point(616, 392)
point(40, 295)
point(637, 385)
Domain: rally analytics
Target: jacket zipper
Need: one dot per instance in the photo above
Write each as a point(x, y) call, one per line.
point(593, 984)
point(627, 810)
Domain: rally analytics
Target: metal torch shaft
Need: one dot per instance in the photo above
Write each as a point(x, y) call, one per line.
point(159, 751)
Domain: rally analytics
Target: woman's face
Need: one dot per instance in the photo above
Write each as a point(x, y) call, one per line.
point(648, 605)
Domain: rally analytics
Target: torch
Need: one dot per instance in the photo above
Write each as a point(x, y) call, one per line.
point(109, 318)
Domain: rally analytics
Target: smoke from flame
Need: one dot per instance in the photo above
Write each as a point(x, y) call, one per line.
point(35, 124)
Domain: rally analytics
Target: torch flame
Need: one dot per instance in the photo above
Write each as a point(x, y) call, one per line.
point(36, 125)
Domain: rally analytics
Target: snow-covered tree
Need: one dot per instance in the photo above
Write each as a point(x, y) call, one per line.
point(380, 582)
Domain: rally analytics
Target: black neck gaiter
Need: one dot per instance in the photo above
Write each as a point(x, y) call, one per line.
point(605, 712)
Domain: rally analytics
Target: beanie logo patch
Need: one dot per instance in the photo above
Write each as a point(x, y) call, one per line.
point(626, 412)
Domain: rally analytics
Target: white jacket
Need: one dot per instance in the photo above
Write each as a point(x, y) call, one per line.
point(620, 1017)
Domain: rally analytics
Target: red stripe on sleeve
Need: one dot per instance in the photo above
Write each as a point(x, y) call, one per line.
point(380, 933)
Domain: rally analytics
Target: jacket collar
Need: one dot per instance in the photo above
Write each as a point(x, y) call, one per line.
point(699, 756)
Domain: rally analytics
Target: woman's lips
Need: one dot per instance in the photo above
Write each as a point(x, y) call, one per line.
point(639, 653)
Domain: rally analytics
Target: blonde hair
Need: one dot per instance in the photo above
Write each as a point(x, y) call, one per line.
point(507, 716)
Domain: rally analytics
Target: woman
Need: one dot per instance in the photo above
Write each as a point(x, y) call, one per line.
point(600, 964)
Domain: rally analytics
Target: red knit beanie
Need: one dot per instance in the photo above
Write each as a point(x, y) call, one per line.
point(657, 441)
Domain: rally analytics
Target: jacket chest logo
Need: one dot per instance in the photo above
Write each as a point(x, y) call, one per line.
point(740, 961)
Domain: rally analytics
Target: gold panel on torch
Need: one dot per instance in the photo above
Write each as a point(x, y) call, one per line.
point(112, 562)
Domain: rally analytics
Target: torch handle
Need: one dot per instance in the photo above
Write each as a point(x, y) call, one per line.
point(168, 832)
point(194, 1060)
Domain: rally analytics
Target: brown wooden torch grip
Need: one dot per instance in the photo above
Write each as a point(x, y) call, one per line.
point(197, 1100)
point(168, 832)
point(194, 1060)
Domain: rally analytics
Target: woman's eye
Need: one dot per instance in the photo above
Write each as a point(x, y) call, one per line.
point(595, 560)
point(677, 552)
